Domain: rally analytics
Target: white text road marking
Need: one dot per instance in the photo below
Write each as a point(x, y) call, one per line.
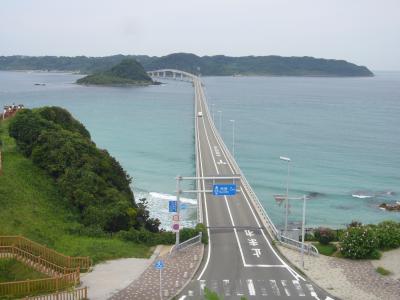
point(285, 287)
point(256, 252)
point(297, 285)
point(275, 288)
point(214, 285)
point(250, 285)
point(217, 152)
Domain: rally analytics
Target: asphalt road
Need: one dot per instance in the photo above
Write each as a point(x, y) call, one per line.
point(239, 260)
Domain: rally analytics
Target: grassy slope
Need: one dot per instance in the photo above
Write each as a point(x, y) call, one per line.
point(12, 270)
point(31, 206)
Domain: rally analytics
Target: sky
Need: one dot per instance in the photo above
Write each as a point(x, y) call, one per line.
point(365, 32)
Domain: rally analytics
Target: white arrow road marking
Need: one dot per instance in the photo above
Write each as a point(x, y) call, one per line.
point(183, 297)
point(221, 162)
point(263, 287)
point(274, 287)
point(225, 285)
point(250, 285)
point(202, 286)
point(329, 298)
point(239, 288)
point(312, 292)
point(297, 285)
point(285, 287)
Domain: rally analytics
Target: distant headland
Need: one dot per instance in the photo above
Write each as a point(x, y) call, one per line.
point(218, 65)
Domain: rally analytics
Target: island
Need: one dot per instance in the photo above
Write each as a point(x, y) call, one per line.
point(127, 72)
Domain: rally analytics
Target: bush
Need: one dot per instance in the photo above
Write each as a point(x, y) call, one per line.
point(359, 242)
point(324, 235)
point(388, 234)
point(202, 228)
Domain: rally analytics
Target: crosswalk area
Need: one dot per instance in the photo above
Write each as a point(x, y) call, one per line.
point(253, 289)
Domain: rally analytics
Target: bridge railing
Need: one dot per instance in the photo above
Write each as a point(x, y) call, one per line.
point(265, 219)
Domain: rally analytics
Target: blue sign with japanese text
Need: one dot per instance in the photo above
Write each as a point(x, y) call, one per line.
point(224, 189)
point(172, 205)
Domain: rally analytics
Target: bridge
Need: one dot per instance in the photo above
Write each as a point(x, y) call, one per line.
point(240, 258)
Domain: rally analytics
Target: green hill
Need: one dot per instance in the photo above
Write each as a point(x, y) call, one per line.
point(218, 65)
point(127, 72)
point(34, 204)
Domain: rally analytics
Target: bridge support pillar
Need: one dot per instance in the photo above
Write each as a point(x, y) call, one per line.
point(165, 74)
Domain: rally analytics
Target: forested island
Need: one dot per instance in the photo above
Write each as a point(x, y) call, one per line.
point(218, 65)
point(127, 72)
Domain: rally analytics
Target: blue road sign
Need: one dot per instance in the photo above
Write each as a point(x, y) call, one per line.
point(224, 189)
point(172, 205)
point(159, 264)
point(183, 206)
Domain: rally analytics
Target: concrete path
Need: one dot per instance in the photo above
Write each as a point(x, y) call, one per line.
point(348, 279)
point(111, 276)
point(179, 269)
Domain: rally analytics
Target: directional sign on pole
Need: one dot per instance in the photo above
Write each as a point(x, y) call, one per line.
point(224, 189)
point(159, 264)
point(172, 205)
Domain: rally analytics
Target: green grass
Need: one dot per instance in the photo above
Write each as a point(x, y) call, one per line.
point(383, 271)
point(327, 250)
point(32, 206)
point(13, 270)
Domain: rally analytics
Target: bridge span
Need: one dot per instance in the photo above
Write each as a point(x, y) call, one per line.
point(240, 258)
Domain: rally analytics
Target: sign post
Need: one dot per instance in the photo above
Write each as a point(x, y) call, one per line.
point(159, 265)
point(178, 205)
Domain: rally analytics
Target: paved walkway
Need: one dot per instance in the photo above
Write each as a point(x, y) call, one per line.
point(114, 275)
point(347, 279)
point(179, 269)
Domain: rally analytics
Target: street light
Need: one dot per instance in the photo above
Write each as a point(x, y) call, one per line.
point(220, 122)
point(287, 159)
point(233, 137)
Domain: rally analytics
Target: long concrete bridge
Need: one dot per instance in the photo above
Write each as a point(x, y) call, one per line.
point(240, 258)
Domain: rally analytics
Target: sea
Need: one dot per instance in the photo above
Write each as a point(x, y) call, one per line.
point(341, 134)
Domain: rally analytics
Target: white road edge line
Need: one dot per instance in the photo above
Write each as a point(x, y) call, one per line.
point(205, 206)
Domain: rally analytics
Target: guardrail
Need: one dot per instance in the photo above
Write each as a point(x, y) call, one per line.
point(190, 242)
point(308, 248)
point(77, 294)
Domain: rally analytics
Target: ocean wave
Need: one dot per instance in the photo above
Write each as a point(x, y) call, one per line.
point(361, 196)
point(172, 197)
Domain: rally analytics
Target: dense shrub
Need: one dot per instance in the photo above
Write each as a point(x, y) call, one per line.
point(359, 242)
point(388, 234)
point(324, 235)
point(90, 178)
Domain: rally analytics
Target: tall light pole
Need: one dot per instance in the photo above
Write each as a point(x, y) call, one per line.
point(303, 223)
point(220, 122)
point(233, 137)
point(287, 159)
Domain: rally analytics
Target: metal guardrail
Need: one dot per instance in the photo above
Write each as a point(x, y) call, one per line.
point(308, 248)
point(190, 242)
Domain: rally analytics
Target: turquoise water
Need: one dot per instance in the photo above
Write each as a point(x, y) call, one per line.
point(342, 134)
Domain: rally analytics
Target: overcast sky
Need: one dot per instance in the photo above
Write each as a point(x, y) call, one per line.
point(366, 32)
